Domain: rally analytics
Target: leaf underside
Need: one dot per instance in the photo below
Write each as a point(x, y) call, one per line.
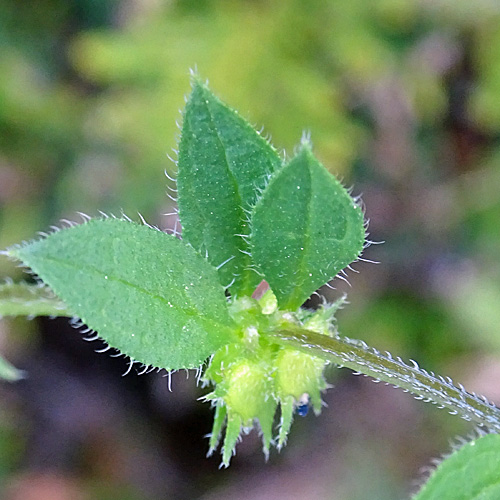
point(305, 229)
point(223, 164)
point(145, 292)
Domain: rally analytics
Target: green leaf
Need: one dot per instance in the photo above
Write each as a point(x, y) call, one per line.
point(471, 473)
point(23, 299)
point(305, 229)
point(146, 293)
point(223, 163)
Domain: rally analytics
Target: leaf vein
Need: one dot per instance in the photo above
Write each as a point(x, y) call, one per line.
point(239, 199)
point(189, 312)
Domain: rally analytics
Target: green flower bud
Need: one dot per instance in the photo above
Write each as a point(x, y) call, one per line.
point(253, 375)
point(298, 373)
point(249, 388)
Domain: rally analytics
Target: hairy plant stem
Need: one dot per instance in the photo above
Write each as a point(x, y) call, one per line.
point(23, 299)
point(424, 385)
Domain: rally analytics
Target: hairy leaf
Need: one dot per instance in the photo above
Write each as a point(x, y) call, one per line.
point(471, 473)
point(305, 229)
point(146, 293)
point(223, 163)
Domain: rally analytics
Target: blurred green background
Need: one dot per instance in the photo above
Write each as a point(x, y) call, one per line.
point(402, 99)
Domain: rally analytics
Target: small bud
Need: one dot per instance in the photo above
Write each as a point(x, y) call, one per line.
point(252, 376)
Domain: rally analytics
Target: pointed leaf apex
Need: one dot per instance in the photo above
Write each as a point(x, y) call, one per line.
point(305, 141)
point(196, 78)
point(197, 82)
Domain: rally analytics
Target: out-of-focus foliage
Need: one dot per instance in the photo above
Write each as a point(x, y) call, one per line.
point(401, 97)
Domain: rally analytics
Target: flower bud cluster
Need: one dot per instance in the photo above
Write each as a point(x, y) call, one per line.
point(253, 376)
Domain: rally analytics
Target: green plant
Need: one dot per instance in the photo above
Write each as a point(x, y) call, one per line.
point(259, 237)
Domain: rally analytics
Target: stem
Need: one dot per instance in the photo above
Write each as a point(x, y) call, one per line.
point(22, 299)
point(358, 356)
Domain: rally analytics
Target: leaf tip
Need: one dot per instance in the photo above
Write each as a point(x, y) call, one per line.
point(305, 141)
point(12, 252)
point(193, 72)
point(197, 81)
point(13, 374)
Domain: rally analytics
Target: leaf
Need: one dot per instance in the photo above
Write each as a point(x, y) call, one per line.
point(23, 299)
point(471, 473)
point(145, 292)
point(305, 229)
point(223, 163)
point(9, 372)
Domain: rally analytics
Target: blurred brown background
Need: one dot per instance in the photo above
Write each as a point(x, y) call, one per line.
point(402, 98)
